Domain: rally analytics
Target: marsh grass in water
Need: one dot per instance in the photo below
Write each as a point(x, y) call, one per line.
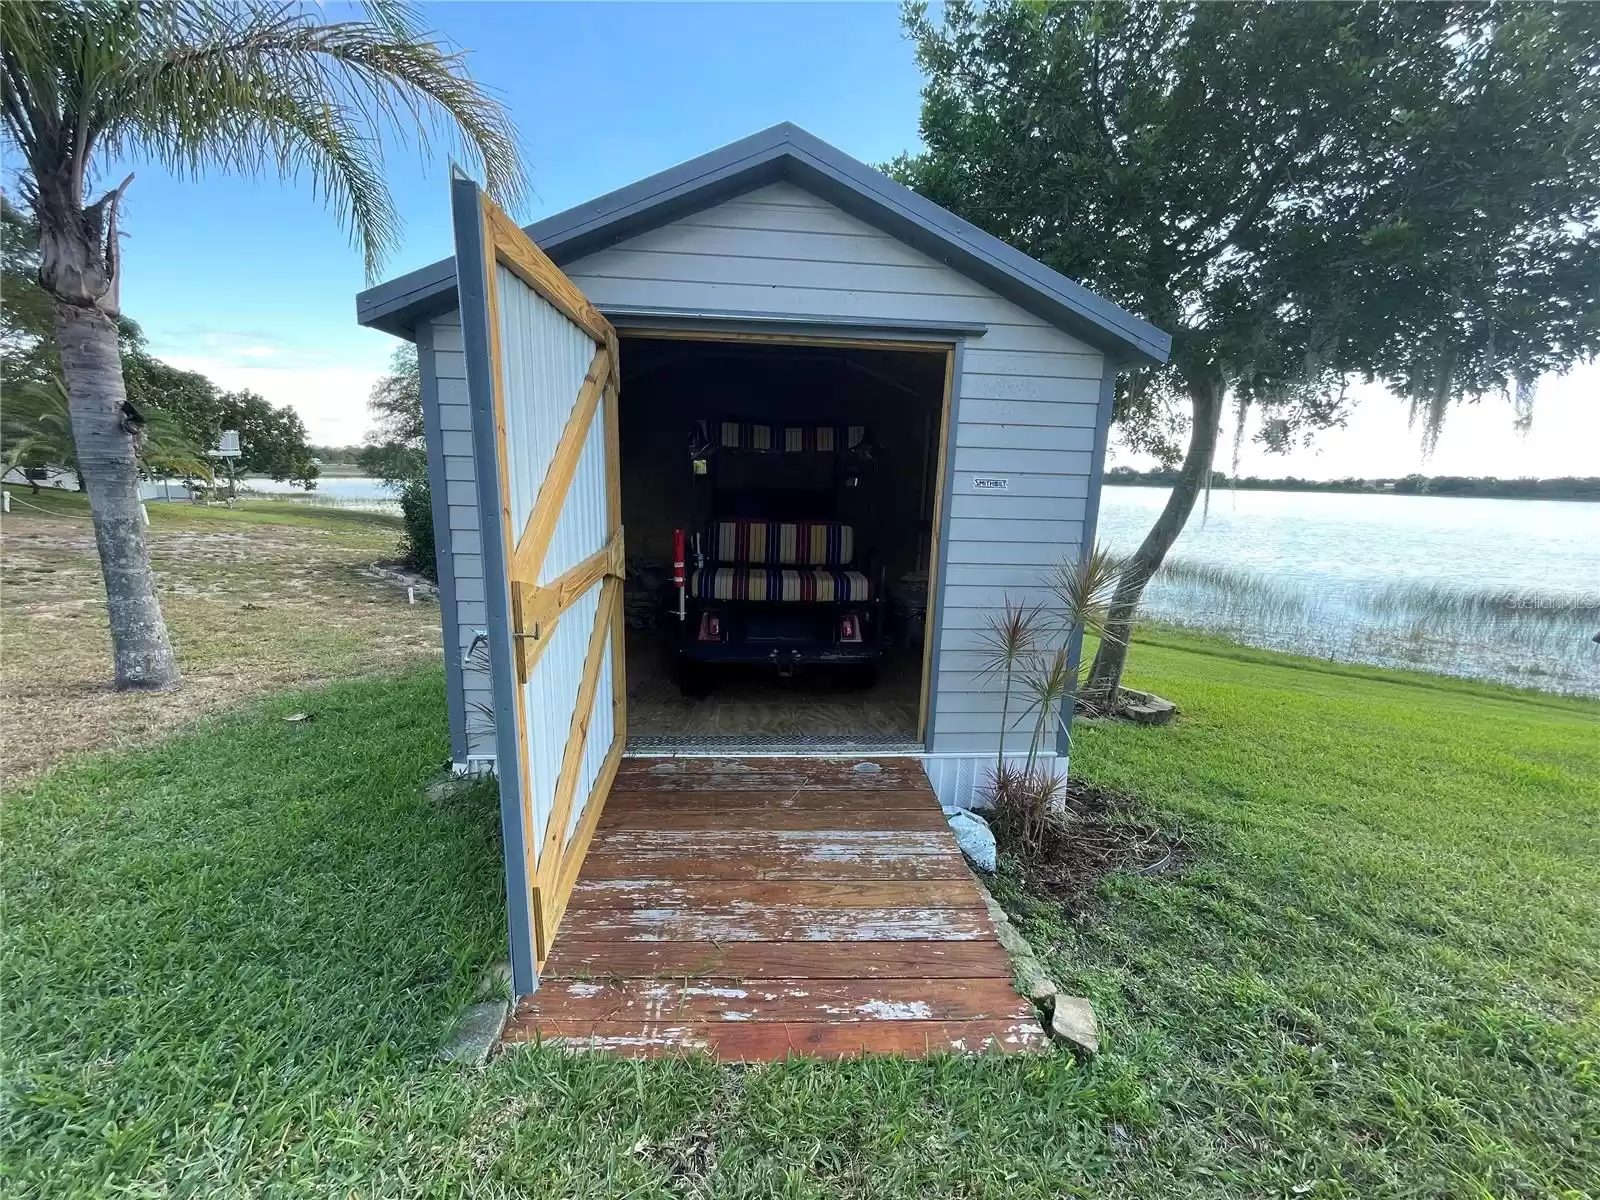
point(1529, 638)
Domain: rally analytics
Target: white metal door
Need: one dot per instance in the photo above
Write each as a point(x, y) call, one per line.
point(542, 375)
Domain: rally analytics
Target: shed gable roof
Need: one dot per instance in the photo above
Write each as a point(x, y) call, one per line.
point(787, 152)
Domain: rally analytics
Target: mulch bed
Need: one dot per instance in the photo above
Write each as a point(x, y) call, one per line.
point(1105, 831)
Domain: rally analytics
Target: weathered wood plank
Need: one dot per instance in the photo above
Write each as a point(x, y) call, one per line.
point(652, 1002)
point(804, 797)
point(735, 1041)
point(607, 862)
point(730, 820)
point(743, 922)
point(755, 910)
point(574, 959)
point(820, 844)
point(715, 894)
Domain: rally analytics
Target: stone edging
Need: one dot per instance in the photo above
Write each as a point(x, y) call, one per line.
point(1067, 1019)
point(401, 579)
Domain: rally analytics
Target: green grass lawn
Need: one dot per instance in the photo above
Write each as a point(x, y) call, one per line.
point(179, 514)
point(229, 959)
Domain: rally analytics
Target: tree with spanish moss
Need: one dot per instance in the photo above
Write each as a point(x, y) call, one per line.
point(1300, 193)
point(270, 90)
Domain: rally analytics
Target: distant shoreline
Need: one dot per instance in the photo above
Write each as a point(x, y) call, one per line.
point(1451, 488)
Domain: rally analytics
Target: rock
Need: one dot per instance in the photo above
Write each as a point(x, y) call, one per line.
point(1072, 1022)
point(443, 788)
point(975, 838)
point(996, 913)
point(1032, 982)
point(1013, 941)
point(479, 1030)
point(496, 981)
point(1146, 708)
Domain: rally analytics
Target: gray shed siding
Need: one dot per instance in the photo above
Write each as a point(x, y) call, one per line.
point(454, 482)
point(1026, 406)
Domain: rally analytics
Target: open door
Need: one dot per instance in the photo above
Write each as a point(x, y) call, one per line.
point(542, 376)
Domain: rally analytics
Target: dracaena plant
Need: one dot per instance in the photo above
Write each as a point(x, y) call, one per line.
point(1033, 653)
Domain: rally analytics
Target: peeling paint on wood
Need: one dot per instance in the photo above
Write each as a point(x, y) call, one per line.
point(745, 922)
point(888, 999)
point(755, 910)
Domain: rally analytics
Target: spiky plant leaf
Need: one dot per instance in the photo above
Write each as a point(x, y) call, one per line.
point(1084, 588)
point(1008, 637)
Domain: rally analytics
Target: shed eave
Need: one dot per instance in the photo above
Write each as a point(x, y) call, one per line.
point(786, 152)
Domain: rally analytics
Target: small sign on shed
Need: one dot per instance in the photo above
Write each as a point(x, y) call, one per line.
point(990, 483)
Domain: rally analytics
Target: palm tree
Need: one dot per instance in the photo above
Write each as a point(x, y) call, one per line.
point(197, 85)
point(36, 431)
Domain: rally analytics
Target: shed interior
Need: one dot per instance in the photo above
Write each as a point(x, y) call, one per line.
point(885, 491)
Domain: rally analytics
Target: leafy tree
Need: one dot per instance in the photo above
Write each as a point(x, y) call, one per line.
point(337, 455)
point(269, 90)
point(1297, 192)
point(398, 454)
point(397, 449)
point(272, 441)
point(25, 317)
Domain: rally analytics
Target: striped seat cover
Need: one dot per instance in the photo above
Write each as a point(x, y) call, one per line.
point(787, 439)
point(802, 584)
point(783, 543)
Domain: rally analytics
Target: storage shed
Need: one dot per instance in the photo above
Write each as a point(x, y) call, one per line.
point(671, 359)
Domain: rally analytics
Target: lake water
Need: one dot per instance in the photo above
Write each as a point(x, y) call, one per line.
point(344, 491)
point(339, 487)
point(1507, 590)
point(1498, 589)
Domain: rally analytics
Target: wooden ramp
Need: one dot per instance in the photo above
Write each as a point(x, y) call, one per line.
point(758, 908)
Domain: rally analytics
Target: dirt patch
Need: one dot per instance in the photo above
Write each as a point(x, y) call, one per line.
point(251, 608)
point(1104, 831)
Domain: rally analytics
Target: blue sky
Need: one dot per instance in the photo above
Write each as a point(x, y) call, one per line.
point(253, 282)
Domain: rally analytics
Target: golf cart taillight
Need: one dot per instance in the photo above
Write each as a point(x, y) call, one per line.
point(710, 627)
point(850, 628)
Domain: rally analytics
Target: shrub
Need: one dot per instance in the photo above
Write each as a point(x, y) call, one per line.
point(416, 511)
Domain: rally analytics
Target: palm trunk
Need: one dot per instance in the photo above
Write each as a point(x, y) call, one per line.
point(1105, 676)
point(91, 365)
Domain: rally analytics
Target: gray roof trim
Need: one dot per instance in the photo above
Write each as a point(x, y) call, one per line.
point(788, 152)
point(712, 321)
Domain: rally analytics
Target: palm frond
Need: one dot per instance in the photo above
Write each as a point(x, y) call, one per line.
point(249, 89)
point(1048, 685)
point(36, 427)
point(166, 450)
point(36, 431)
